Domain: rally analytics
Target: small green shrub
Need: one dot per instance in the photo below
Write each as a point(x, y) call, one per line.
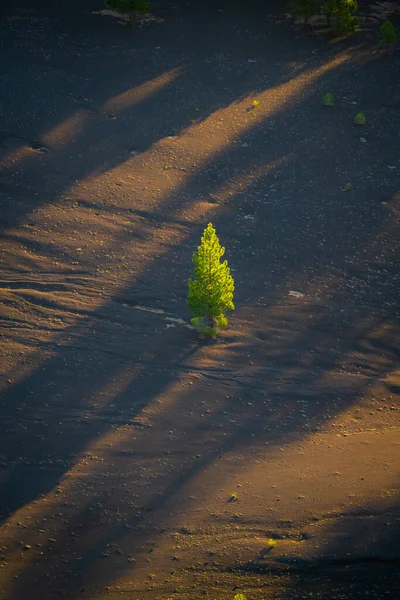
point(348, 187)
point(359, 119)
point(305, 9)
point(211, 289)
point(328, 100)
point(387, 34)
point(239, 597)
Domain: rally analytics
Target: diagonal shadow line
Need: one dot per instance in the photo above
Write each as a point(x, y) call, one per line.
point(238, 437)
point(81, 168)
point(32, 467)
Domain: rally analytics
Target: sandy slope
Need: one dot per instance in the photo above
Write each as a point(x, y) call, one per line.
point(136, 458)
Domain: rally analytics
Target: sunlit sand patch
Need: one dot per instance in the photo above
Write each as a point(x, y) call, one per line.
point(17, 155)
point(21, 362)
point(63, 133)
point(66, 131)
point(139, 93)
point(319, 465)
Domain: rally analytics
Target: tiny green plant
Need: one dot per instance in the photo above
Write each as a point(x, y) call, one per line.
point(328, 100)
point(130, 7)
point(348, 187)
point(359, 119)
point(305, 9)
point(211, 290)
point(239, 597)
point(387, 34)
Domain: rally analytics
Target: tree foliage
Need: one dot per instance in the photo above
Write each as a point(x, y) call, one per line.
point(130, 7)
point(211, 290)
point(341, 14)
point(387, 33)
point(304, 8)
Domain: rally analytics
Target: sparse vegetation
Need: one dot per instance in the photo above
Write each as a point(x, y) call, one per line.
point(211, 290)
point(271, 543)
point(130, 7)
point(348, 187)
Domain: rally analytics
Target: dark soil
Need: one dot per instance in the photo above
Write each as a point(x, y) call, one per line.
point(137, 459)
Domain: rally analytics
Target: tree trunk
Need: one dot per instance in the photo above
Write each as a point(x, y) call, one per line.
point(211, 322)
point(132, 19)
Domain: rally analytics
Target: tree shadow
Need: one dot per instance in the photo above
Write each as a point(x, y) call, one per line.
point(78, 383)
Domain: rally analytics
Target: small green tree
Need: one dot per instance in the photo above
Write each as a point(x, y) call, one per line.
point(130, 7)
point(387, 34)
point(304, 9)
point(211, 289)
